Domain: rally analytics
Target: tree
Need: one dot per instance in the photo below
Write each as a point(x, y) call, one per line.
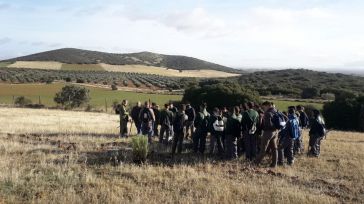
point(22, 101)
point(114, 87)
point(310, 93)
point(225, 94)
point(72, 96)
point(361, 118)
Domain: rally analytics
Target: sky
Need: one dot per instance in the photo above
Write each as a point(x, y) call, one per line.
point(316, 34)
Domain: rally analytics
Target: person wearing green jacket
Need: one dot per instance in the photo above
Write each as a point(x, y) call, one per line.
point(201, 124)
point(233, 133)
point(249, 127)
point(124, 119)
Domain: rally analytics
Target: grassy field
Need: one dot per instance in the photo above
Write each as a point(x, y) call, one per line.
point(82, 67)
point(4, 64)
point(52, 156)
point(36, 65)
point(98, 95)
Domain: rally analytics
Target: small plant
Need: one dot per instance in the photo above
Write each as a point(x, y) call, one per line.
point(21, 101)
point(140, 148)
point(114, 87)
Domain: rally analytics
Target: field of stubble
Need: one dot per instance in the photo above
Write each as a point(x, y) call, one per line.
point(52, 156)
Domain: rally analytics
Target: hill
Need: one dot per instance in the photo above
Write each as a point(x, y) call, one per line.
point(292, 82)
point(79, 56)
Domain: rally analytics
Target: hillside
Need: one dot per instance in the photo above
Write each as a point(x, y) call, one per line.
point(291, 82)
point(78, 56)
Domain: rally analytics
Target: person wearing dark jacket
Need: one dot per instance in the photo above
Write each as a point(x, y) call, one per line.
point(304, 122)
point(270, 135)
point(190, 112)
point(166, 120)
point(156, 112)
point(233, 132)
point(135, 116)
point(216, 127)
point(179, 127)
point(317, 133)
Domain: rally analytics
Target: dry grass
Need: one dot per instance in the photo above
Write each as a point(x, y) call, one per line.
point(51, 156)
point(82, 67)
point(36, 65)
point(166, 72)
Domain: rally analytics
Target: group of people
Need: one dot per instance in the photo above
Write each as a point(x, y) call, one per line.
point(251, 129)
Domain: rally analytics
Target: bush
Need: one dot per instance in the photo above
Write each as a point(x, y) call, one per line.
point(114, 87)
point(310, 93)
point(345, 114)
point(21, 101)
point(140, 148)
point(72, 96)
point(225, 94)
point(80, 81)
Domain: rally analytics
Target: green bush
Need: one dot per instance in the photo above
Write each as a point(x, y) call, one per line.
point(114, 87)
point(22, 101)
point(140, 148)
point(72, 96)
point(225, 94)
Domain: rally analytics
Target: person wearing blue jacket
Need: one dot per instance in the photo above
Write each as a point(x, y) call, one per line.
point(287, 137)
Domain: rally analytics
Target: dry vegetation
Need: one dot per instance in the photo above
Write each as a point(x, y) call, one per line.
point(36, 65)
point(51, 156)
point(167, 72)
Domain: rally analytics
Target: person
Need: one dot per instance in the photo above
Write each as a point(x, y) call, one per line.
point(147, 118)
point(304, 121)
point(166, 119)
point(233, 132)
point(259, 131)
point(270, 134)
point(287, 138)
point(179, 127)
point(201, 124)
point(191, 114)
point(216, 127)
point(172, 108)
point(135, 116)
point(317, 133)
point(156, 112)
point(249, 127)
point(124, 118)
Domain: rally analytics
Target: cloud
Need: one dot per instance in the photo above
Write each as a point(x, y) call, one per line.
point(5, 40)
point(4, 6)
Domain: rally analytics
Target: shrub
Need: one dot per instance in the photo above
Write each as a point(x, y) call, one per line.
point(225, 94)
point(72, 96)
point(21, 101)
point(81, 81)
point(140, 148)
point(310, 93)
point(114, 87)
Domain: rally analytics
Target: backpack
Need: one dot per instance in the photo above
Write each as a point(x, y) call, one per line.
point(252, 126)
point(321, 128)
point(146, 115)
point(294, 128)
point(190, 112)
point(219, 124)
point(179, 123)
point(117, 109)
point(279, 120)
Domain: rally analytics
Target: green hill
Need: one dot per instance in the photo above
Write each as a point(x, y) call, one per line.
point(78, 56)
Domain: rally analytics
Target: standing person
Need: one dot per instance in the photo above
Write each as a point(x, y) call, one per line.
point(270, 134)
point(166, 120)
point(217, 128)
point(233, 132)
point(156, 112)
point(191, 113)
point(172, 108)
point(135, 116)
point(287, 138)
point(124, 118)
point(201, 124)
point(179, 127)
point(259, 132)
point(147, 118)
point(317, 133)
point(304, 122)
point(249, 126)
